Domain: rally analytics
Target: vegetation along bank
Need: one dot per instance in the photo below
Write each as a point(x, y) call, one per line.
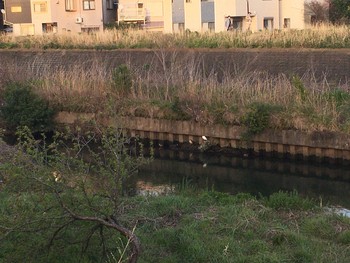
point(58, 208)
point(57, 205)
point(255, 90)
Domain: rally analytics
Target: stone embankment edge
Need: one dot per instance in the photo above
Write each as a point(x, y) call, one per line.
point(331, 145)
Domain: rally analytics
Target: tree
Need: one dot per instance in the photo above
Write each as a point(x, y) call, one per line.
point(339, 11)
point(69, 195)
point(318, 10)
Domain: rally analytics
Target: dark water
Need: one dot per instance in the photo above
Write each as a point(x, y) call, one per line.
point(231, 174)
point(257, 176)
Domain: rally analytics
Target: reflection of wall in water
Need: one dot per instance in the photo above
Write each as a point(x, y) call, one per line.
point(253, 176)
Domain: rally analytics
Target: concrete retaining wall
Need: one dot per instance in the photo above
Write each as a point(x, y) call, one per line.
point(332, 63)
point(286, 142)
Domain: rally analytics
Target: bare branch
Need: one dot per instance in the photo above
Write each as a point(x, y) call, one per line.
point(58, 231)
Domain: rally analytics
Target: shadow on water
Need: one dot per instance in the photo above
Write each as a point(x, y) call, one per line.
point(257, 176)
point(172, 169)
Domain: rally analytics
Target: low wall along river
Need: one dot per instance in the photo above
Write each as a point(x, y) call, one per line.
point(285, 142)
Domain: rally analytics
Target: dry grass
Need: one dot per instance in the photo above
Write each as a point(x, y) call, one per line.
point(321, 36)
point(181, 90)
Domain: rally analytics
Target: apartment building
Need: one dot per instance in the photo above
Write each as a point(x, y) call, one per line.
point(37, 17)
point(214, 15)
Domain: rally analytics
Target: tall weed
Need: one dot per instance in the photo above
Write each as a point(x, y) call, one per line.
point(289, 200)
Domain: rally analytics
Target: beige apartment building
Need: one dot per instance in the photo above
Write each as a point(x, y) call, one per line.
point(213, 15)
point(37, 17)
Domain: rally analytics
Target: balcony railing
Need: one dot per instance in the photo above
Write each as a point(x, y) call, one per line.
point(129, 14)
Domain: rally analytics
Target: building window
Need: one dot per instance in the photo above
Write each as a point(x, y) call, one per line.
point(110, 4)
point(286, 23)
point(49, 27)
point(268, 23)
point(89, 4)
point(16, 9)
point(40, 7)
point(140, 10)
point(234, 23)
point(237, 23)
point(71, 5)
point(188, 1)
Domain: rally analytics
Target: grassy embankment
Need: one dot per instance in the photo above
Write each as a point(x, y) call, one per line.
point(198, 227)
point(185, 226)
point(323, 36)
point(189, 226)
point(181, 91)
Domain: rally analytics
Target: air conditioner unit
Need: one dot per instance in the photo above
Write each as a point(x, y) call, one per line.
point(79, 20)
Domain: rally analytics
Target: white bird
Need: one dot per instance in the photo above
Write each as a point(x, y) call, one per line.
point(204, 138)
point(190, 141)
point(57, 176)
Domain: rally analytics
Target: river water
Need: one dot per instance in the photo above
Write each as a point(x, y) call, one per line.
point(326, 183)
point(174, 169)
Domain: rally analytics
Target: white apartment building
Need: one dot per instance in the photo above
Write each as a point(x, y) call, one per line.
point(36, 17)
point(214, 15)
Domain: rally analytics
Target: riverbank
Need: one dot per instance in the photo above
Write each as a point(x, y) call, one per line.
point(316, 146)
point(206, 227)
point(182, 95)
point(295, 89)
point(38, 223)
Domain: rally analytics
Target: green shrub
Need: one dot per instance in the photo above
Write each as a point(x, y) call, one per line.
point(291, 200)
point(256, 120)
point(173, 110)
point(217, 108)
point(300, 87)
point(302, 256)
point(320, 227)
point(177, 108)
point(344, 237)
point(338, 96)
point(122, 79)
point(341, 100)
point(22, 107)
point(4, 45)
point(214, 197)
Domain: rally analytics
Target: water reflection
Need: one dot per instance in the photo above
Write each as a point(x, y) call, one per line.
point(147, 188)
point(171, 169)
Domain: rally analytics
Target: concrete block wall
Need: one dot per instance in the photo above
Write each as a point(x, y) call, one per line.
point(284, 142)
point(332, 64)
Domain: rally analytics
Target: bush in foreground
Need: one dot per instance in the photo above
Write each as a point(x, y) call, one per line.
point(22, 107)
